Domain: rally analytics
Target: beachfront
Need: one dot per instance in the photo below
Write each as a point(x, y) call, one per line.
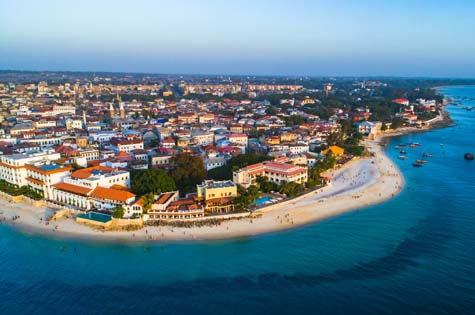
point(355, 185)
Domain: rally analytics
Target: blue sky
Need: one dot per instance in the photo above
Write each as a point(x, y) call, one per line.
point(297, 37)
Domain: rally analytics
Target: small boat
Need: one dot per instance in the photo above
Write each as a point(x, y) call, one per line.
point(425, 154)
point(403, 152)
point(421, 161)
point(402, 145)
point(417, 164)
point(414, 145)
point(402, 157)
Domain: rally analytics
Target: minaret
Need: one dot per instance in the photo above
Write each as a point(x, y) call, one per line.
point(122, 110)
point(84, 121)
point(111, 111)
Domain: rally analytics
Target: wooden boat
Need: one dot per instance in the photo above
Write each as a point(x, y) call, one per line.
point(421, 161)
point(414, 145)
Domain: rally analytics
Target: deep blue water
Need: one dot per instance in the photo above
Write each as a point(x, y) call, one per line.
point(414, 254)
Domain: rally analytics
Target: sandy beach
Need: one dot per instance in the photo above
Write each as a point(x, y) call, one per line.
point(357, 184)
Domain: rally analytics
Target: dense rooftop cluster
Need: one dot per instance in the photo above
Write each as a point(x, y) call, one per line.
point(86, 142)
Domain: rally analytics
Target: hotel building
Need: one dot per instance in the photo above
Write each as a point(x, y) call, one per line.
point(217, 196)
point(275, 171)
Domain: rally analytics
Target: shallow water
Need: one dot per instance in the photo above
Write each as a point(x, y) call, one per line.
point(413, 255)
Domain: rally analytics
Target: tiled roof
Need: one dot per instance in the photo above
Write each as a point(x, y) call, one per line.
point(50, 171)
point(111, 194)
point(87, 172)
point(79, 190)
point(35, 181)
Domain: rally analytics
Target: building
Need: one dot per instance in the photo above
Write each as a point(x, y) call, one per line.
point(238, 139)
point(42, 177)
point(13, 167)
point(214, 162)
point(102, 176)
point(217, 196)
point(276, 172)
point(335, 150)
point(89, 154)
point(168, 206)
point(125, 145)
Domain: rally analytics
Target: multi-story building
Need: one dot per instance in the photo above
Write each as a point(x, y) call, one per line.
point(238, 139)
point(102, 176)
point(89, 154)
point(42, 177)
point(203, 138)
point(275, 171)
point(13, 167)
point(126, 145)
point(217, 196)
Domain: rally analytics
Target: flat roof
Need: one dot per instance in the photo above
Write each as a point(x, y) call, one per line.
point(220, 184)
point(49, 167)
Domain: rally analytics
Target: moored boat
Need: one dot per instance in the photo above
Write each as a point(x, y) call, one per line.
point(402, 157)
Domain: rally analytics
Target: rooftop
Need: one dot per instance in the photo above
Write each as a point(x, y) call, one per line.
point(218, 184)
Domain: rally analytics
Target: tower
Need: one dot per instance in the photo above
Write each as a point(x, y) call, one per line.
point(111, 111)
point(84, 121)
point(122, 110)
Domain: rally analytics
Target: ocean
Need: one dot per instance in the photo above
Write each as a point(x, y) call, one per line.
point(414, 254)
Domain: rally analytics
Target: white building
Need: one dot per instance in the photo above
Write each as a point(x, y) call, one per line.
point(128, 146)
point(238, 139)
point(42, 177)
point(214, 162)
point(298, 148)
point(13, 167)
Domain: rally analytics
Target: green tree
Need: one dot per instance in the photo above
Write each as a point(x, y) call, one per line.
point(397, 122)
point(152, 180)
point(148, 200)
point(187, 171)
point(118, 212)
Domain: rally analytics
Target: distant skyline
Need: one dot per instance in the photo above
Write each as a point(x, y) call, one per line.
point(315, 38)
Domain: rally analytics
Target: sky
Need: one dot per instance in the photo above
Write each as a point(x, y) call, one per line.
point(432, 38)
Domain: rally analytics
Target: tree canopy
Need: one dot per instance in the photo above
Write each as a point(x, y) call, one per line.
point(118, 212)
point(187, 171)
point(152, 180)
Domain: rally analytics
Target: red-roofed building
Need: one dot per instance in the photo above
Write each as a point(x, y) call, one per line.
point(402, 101)
point(276, 172)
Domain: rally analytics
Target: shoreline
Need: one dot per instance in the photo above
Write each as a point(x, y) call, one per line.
point(357, 184)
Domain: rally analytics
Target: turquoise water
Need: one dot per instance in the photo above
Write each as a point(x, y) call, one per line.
point(262, 200)
point(411, 255)
point(96, 216)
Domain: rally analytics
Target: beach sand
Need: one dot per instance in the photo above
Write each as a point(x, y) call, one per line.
point(357, 184)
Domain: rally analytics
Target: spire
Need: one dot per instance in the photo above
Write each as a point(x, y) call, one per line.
point(111, 110)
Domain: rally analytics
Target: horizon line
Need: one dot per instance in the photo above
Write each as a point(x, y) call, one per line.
point(244, 75)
